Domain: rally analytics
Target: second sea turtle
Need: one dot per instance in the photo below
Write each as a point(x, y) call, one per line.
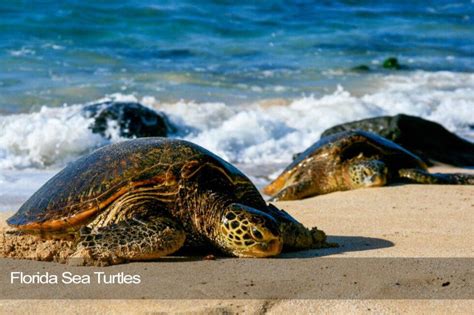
point(350, 160)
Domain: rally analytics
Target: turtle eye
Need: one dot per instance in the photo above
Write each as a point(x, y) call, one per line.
point(230, 216)
point(257, 234)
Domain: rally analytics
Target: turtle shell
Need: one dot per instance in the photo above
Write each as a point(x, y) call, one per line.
point(330, 152)
point(85, 187)
point(346, 145)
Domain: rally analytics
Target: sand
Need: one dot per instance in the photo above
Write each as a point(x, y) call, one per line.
point(405, 248)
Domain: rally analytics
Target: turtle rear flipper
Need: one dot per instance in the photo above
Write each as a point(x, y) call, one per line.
point(424, 177)
point(129, 240)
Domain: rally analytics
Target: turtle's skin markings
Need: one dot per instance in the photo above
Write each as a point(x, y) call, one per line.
point(350, 160)
point(157, 195)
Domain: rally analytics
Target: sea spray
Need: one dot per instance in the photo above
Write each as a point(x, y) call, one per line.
point(44, 138)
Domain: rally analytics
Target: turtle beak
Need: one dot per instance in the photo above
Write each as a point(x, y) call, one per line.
point(264, 249)
point(268, 249)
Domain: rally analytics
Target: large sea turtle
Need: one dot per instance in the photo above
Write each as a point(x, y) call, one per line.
point(350, 160)
point(145, 198)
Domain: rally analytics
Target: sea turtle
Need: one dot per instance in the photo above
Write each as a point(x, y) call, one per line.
point(146, 198)
point(350, 160)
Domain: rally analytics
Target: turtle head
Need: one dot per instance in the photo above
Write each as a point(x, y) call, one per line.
point(367, 173)
point(247, 232)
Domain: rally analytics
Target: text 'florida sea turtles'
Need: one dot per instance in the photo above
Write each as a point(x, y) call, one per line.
point(98, 277)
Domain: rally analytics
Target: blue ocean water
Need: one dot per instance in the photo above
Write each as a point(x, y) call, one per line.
point(57, 52)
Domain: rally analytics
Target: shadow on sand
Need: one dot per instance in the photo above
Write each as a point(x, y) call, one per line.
point(346, 244)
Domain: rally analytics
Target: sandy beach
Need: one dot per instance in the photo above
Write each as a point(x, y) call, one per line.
point(402, 248)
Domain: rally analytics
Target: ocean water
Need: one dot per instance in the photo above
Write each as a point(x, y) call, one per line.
point(253, 82)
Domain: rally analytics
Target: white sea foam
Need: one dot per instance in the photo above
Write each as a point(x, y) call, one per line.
point(249, 134)
point(49, 137)
point(22, 52)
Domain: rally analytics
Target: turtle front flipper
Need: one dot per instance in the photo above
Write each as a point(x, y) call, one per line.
point(129, 240)
point(296, 191)
point(424, 177)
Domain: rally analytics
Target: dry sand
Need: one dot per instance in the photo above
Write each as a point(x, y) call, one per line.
point(381, 231)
